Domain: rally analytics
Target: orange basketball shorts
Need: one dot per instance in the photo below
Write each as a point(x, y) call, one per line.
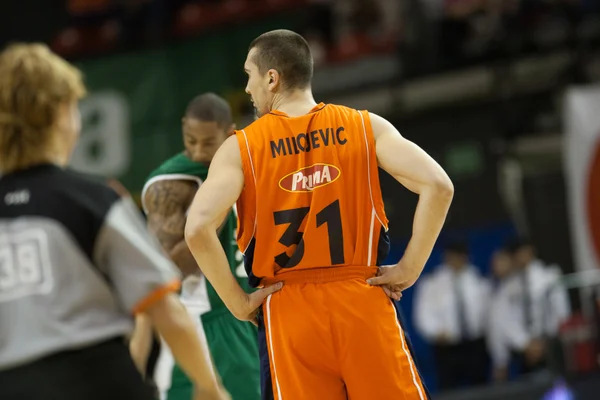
point(337, 340)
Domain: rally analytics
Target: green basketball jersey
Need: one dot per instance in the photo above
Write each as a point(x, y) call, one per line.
point(180, 167)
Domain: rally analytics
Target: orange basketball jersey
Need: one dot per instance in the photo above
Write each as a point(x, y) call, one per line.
point(312, 197)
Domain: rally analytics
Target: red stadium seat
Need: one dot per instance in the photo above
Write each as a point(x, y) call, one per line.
point(69, 42)
point(84, 7)
point(579, 344)
point(106, 37)
point(386, 43)
point(190, 19)
point(350, 48)
point(75, 42)
point(195, 16)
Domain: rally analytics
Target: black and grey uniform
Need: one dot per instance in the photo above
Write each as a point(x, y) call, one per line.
point(75, 261)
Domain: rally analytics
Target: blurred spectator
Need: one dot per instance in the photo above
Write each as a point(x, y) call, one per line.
point(450, 312)
point(502, 268)
point(526, 312)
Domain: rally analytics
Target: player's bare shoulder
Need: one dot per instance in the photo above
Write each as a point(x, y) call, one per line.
point(166, 197)
point(229, 154)
point(381, 126)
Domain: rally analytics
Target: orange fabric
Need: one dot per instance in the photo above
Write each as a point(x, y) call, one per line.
point(322, 275)
point(311, 215)
point(312, 197)
point(156, 295)
point(342, 341)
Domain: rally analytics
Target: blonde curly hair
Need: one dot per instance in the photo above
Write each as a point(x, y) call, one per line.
point(34, 83)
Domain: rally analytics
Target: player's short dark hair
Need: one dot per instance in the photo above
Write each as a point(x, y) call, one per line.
point(209, 107)
point(518, 243)
point(457, 247)
point(286, 52)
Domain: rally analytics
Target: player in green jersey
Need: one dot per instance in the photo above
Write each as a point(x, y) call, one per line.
point(166, 197)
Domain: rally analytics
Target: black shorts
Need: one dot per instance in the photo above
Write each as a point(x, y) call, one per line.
point(100, 372)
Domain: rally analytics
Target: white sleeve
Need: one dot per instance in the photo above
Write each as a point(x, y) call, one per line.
point(496, 341)
point(485, 293)
point(131, 257)
point(511, 323)
point(560, 308)
point(425, 316)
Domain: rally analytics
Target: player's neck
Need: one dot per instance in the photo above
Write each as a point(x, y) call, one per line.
point(57, 159)
point(294, 104)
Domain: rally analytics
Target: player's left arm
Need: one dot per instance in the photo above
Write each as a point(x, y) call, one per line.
point(417, 171)
point(210, 206)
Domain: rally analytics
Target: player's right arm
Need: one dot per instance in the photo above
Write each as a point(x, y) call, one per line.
point(166, 204)
point(421, 174)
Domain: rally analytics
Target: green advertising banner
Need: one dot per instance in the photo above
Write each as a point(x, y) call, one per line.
point(131, 117)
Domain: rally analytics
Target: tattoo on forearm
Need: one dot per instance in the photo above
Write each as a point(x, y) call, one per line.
point(167, 234)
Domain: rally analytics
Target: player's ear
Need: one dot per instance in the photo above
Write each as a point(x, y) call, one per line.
point(273, 79)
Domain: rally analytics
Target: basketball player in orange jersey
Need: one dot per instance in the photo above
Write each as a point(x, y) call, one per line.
point(313, 232)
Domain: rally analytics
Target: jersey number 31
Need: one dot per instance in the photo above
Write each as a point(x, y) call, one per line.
point(329, 215)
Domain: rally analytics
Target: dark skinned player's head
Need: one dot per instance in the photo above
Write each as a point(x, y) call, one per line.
point(207, 123)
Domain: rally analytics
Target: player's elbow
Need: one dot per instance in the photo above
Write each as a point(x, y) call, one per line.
point(196, 227)
point(445, 187)
point(442, 186)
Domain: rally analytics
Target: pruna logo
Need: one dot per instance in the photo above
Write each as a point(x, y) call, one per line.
point(310, 178)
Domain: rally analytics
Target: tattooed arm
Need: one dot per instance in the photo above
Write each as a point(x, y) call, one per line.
point(166, 204)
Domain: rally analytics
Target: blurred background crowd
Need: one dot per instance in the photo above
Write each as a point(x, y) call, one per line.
point(502, 93)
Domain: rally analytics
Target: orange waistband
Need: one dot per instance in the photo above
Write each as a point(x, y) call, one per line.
point(321, 275)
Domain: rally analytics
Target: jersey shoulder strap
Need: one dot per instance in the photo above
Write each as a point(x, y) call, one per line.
point(180, 164)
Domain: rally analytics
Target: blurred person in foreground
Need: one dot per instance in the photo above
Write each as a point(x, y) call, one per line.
point(166, 197)
point(528, 310)
point(76, 262)
point(451, 306)
point(143, 344)
point(313, 231)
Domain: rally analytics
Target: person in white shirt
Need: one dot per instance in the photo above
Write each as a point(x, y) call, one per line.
point(502, 268)
point(527, 310)
point(451, 305)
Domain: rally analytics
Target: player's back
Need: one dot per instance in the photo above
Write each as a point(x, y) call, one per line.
point(312, 197)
